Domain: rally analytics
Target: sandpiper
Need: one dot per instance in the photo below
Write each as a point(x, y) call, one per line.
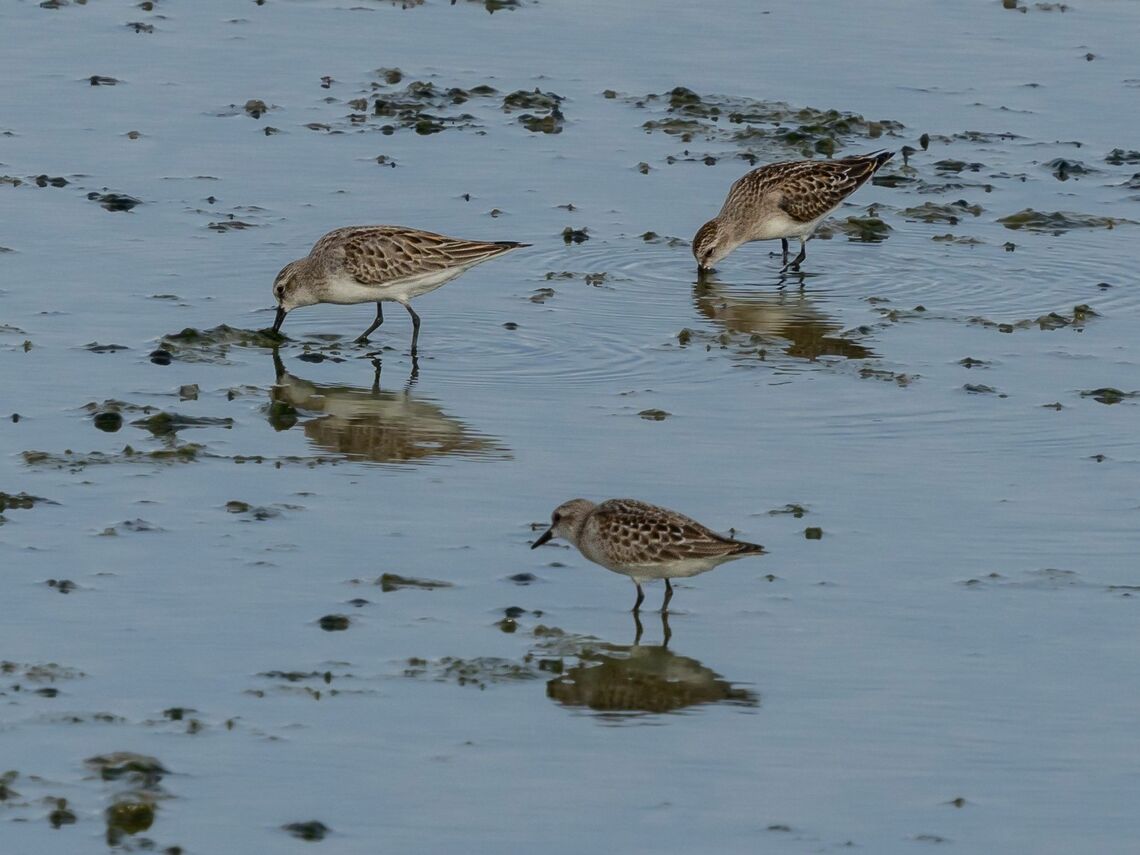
point(365, 264)
point(642, 541)
point(782, 200)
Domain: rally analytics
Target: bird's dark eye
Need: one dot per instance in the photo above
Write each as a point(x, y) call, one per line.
point(279, 290)
point(556, 518)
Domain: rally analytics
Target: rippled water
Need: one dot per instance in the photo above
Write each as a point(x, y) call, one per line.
point(300, 580)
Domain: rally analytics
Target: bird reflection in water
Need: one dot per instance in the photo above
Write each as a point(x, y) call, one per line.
point(626, 680)
point(807, 332)
point(370, 424)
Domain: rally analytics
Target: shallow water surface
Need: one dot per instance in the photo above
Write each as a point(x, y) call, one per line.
point(253, 589)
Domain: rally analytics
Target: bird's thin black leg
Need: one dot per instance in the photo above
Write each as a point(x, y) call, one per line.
point(668, 597)
point(415, 327)
point(784, 247)
point(363, 337)
point(795, 265)
point(640, 596)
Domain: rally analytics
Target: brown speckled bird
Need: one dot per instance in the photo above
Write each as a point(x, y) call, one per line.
point(783, 200)
point(642, 541)
point(365, 264)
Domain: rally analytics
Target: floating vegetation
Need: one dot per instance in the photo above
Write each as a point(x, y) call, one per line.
point(1057, 222)
point(1051, 321)
point(931, 212)
point(416, 107)
point(138, 770)
point(114, 201)
point(1108, 395)
point(20, 501)
point(312, 830)
point(214, 345)
point(1063, 169)
point(654, 415)
point(761, 128)
point(480, 671)
point(900, 379)
point(547, 117)
point(795, 510)
point(254, 512)
point(1119, 156)
point(957, 239)
point(868, 229)
point(389, 582)
point(74, 462)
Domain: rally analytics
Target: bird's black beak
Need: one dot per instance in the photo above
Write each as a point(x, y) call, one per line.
point(280, 319)
point(546, 536)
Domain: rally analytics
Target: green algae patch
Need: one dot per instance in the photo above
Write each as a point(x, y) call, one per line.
point(867, 229)
point(128, 817)
point(931, 212)
point(21, 501)
point(334, 623)
point(795, 510)
point(1077, 318)
point(137, 770)
point(1108, 395)
point(1057, 222)
point(389, 582)
point(544, 110)
point(213, 345)
point(168, 424)
point(961, 240)
point(762, 128)
point(312, 830)
point(1118, 157)
point(73, 461)
point(479, 671)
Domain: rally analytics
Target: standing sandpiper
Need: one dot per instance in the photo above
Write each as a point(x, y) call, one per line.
point(642, 541)
point(365, 264)
point(782, 200)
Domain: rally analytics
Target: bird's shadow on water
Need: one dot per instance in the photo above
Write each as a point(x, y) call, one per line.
point(370, 424)
point(621, 682)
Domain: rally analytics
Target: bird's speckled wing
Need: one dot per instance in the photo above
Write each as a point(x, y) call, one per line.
point(805, 189)
point(374, 255)
point(810, 192)
point(634, 532)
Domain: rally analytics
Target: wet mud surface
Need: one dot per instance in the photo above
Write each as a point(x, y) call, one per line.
point(276, 592)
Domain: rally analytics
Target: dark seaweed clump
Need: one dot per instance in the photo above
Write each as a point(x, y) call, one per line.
point(762, 128)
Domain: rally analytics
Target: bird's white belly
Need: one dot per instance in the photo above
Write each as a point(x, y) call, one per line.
point(665, 570)
point(780, 225)
point(345, 290)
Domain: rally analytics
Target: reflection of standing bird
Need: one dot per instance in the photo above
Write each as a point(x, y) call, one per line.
point(369, 424)
point(809, 332)
point(365, 264)
point(782, 200)
point(642, 541)
point(616, 679)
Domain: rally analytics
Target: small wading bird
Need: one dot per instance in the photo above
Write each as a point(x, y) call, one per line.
point(365, 264)
point(642, 541)
point(782, 200)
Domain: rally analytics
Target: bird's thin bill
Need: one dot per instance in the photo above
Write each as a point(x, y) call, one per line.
point(279, 320)
point(546, 536)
